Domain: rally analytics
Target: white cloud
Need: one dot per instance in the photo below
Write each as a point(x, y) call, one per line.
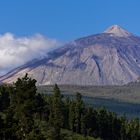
point(15, 51)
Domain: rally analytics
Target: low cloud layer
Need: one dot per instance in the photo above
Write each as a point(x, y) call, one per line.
point(15, 51)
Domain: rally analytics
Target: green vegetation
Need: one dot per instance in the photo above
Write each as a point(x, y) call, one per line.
point(127, 93)
point(119, 99)
point(74, 136)
point(26, 114)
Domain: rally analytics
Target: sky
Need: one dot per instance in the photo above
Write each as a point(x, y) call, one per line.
point(37, 26)
point(67, 19)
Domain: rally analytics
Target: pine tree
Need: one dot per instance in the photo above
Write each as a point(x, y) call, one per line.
point(4, 98)
point(1, 127)
point(78, 112)
point(23, 102)
point(66, 113)
point(72, 116)
point(56, 113)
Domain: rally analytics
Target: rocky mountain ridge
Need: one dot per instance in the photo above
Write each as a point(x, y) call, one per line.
point(108, 58)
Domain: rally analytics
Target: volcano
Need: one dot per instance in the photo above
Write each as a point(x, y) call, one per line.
point(108, 58)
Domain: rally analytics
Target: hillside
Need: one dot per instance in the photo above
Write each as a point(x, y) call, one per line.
point(108, 58)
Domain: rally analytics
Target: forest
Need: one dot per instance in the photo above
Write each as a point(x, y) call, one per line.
point(26, 114)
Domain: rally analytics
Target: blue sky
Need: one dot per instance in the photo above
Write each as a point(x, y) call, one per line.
point(57, 21)
point(67, 19)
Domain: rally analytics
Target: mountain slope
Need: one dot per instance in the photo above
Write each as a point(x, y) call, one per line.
point(109, 58)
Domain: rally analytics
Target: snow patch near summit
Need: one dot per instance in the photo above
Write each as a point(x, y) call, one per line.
point(118, 31)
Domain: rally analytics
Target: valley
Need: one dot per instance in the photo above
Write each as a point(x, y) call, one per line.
point(124, 100)
point(127, 93)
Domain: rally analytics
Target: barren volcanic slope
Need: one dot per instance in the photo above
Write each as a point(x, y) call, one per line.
point(108, 58)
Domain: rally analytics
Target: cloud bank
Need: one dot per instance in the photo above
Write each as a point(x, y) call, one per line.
point(15, 51)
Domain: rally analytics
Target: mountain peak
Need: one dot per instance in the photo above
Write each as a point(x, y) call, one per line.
point(118, 31)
